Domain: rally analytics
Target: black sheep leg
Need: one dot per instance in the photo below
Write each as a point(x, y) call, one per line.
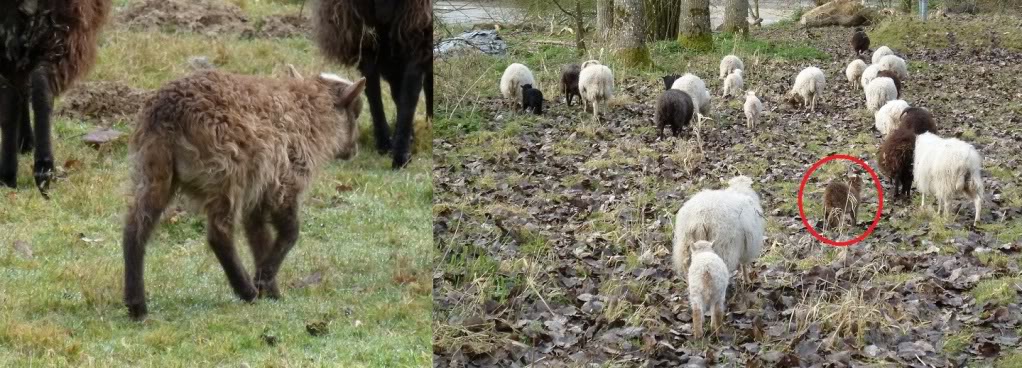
point(428, 88)
point(411, 87)
point(11, 108)
point(381, 131)
point(25, 141)
point(42, 107)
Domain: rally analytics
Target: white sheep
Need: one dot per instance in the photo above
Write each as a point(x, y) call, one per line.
point(707, 286)
point(696, 88)
point(879, 91)
point(753, 109)
point(869, 75)
point(889, 115)
point(730, 218)
point(894, 64)
point(734, 84)
point(880, 53)
point(946, 168)
point(515, 76)
point(854, 70)
point(729, 64)
point(596, 84)
point(808, 87)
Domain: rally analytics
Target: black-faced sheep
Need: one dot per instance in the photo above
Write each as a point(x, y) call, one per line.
point(532, 99)
point(596, 84)
point(569, 82)
point(894, 77)
point(729, 64)
point(388, 38)
point(674, 108)
point(860, 41)
point(707, 287)
point(669, 80)
point(808, 86)
point(515, 76)
point(45, 46)
point(753, 109)
point(841, 198)
point(918, 120)
point(242, 146)
point(947, 168)
point(895, 160)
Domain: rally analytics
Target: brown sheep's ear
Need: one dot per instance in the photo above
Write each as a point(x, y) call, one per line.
point(351, 93)
point(293, 73)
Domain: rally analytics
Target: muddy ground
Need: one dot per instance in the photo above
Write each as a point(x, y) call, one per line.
point(210, 17)
point(553, 233)
point(102, 103)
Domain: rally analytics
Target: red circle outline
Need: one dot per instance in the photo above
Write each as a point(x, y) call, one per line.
point(880, 197)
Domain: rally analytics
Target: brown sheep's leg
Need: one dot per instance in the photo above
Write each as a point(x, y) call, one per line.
point(381, 131)
point(717, 315)
point(258, 235)
point(697, 321)
point(42, 105)
point(142, 218)
point(220, 233)
point(11, 108)
point(285, 221)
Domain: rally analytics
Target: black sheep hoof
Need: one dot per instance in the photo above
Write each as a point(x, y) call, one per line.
point(43, 175)
point(400, 161)
point(383, 146)
point(268, 290)
point(10, 181)
point(249, 294)
point(137, 312)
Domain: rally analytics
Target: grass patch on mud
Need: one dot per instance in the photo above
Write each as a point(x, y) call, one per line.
point(904, 32)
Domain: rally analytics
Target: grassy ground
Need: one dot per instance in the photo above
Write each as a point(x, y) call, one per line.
point(358, 278)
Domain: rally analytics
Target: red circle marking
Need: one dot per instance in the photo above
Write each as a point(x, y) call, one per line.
point(880, 196)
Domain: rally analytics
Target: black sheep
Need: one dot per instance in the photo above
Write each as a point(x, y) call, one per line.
point(669, 80)
point(894, 76)
point(860, 41)
point(569, 82)
point(674, 108)
point(895, 159)
point(532, 99)
point(918, 120)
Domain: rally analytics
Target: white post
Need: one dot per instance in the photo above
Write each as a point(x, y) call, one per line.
point(922, 9)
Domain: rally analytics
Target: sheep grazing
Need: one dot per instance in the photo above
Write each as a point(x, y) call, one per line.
point(895, 160)
point(841, 198)
point(596, 84)
point(729, 64)
point(707, 286)
point(669, 80)
point(947, 168)
point(731, 219)
point(879, 92)
point(894, 64)
point(854, 71)
point(674, 108)
point(392, 39)
point(243, 146)
point(860, 41)
point(45, 46)
point(868, 75)
point(515, 76)
point(733, 84)
point(569, 82)
point(918, 120)
point(532, 99)
point(888, 116)
point(696, 88)
point(880, 53)
point(753, 109)
point(809, 85)
point(894, 77)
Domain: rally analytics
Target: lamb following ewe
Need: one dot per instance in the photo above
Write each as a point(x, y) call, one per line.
point(946, 168)
point(733, 84)
point(243, 146)
point(515, 76)
point(879, 92)
point(894, 64)
point(841, 199)
point(894, 77)
point(729, 64)
point(753, 109)
point(532, 99)
point(596, 84)
point(808, 86)
point(888, 116)
point(854, 70)
point(730, 218)
point(569, 82)
point(673, 108)
point(707, 287)
point(868, 75)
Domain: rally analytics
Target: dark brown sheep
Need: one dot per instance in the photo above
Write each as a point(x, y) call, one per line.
point(895, 160)
point(669, 80)
point(388, 38)
point(674, 108)
point(569, 82)
point(894, 77)
point(918, 120)
point(241, 146)
point(45, 45)
point(860, 41)
point(842, 197)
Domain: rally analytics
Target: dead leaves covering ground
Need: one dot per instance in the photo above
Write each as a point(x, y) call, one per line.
point(553, 233)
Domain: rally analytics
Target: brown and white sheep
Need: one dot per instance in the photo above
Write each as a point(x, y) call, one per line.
point(244, 147)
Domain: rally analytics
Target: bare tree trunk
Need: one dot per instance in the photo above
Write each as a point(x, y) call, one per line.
point(662, 19)
point(734, 17)
point(694, 25)
point(631, 40)
point(605, 18)
point(580, 37)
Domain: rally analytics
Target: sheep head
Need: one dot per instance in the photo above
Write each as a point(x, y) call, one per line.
point(347, 104)
point(669, 80)
point(702, 246)
point(590, 62)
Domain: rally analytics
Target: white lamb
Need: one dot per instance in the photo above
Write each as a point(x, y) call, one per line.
point(947, 168)
point(881, 52)
point(730, 218)
point(696, 88)
point(894, 64)
point(734, 84)
point(515, 76)
point(707, 286)
point(729, 64)
point(869, 75)
point(879, 91)
point(753, 109)
point(808, 87)
point(596, 85)
point(888, 117)
point(854, 70)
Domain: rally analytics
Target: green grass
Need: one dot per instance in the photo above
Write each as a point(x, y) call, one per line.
point(364, 227)
point(900, 31)
point(1010, 360)
point(957, 342)
point(997, 291)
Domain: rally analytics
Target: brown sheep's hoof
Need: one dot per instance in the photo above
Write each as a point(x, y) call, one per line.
point(137, 312)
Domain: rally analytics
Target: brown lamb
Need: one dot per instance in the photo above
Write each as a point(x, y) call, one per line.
point(244, 148)
point(895, 159)
point(842, 197)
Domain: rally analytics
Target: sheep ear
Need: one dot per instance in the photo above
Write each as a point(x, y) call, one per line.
point(351, 93)
point(293, 73)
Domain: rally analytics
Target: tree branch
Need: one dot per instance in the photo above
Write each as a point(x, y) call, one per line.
point(562, 9)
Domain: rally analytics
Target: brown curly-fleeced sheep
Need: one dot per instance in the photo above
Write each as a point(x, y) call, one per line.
point(918, 120)
point(840, 198)
point(860, 41)
point(894, 158)
point(388, 38)
point(239, 145)
point(45, 45)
